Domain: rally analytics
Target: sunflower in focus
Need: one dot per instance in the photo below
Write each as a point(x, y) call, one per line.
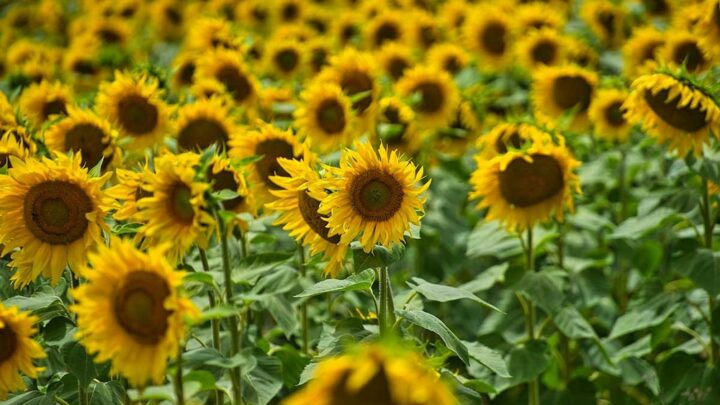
point(52, 214)
point(525, 187)
point(395, 59)
point(134, 104)
point(375, 374)
point(130, 311)
point(174, 209)
point(127, 191)
point(606, 20)
point(228, 67)
point(203, 123)
point(326, 117)
point(684, 48)
point(557, 91)
point(488, 32)
point(298, 201)
point(543, 47)
point(223, 176)
point(397, 128)
point(432, 94)
point(41, 101)
point(449, 57)
point(18, 350)
point(607, 115)
point(640, 51)
point(674, 112)
point(375, 195)
point(85, 132)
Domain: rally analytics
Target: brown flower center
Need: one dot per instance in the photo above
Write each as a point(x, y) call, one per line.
point(137, 115)
point(53, 107)
point(173, 16)
point(139, 306)
point(186, 72)
point(392, 115)
point(432, 97)
point(331, 116)
point(84, 67)
point(318, 59)
point(8, 343)
point(54, 212)
point(225, 180)
point(397, 66)
point(689, 52)
point(376, 392)
point(511, 138)
point(376, 195)
point(356, 81)
point(656, 7)
point(524, 184)
point(683, 118)
point(571, 91)
point(451, 64)
point(386, 32)
point(428, 35)
point(88, 139)
point(492, 38)
point(648, 52)
point(544, 52)
point(290, 12)
point(271, 150)
point(347, 33)
point(235, 82)
point(179, 203)
point(287, 60)
point(716, 15)
point(614, 114)
point(308, 207)
point(607, 22)
point(201, 133)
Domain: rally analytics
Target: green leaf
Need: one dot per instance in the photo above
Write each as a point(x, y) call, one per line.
point(109, 393)
point(379, 257)
point(219, 312)
point(639, 226)
point(572, 324)
point(444, 293)
point(541, 290)
point(264, 380)
point(225, 195)
point(45, 305)
point(701, 266)
point(487, 278)
point(636, 349)
point(293, 362)
point(528, 361)
point(433, 324)
point(283, 312)
point(97, 169)
point(79, 363)
point(202, 278)
point(491, 239)
point(359, 281)
point(489, 358)
point(643, 317)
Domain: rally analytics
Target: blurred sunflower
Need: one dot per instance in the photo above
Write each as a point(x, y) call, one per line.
point(184, 65)
point(284, 58)
point(449, 57)
point(85, 132)
point(211, 32)
point(135, 105)
point(690, 18)
point(257, 14)
point(298, 200)
point(127, 191)
point(347, 28)
point(461, 131)
point(607, 115)
point(557, 91)
point(606, 20)
point(289, 11)
point(11, 146)
point(640, 51)
point(423, 29)
point(658, 8)
point(130, 311)
point(504, 137)
point(18, 350)
point(52, 214)
point(674, 112)
point(375, 374)
point(39, 102)
point(375, 195)
point(488, 32)
point(542, 47)
point(684, 48)
point(168, 18)
point(386, 27)
point(223, 176)
point(204, 123)
point(174, 209)
point(452, 16)
point(709, 27)
point(581, 54)
point(228, 68)
point(522, 188)
point(539, 15)
point(318, 53)
point(432, 94)
point(394, 59)
point(397, 128)
point(326, 117)
point(7, 113)
point(208, 88)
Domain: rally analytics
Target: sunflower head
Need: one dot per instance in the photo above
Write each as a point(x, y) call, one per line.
point(385, 27)
point(228, 67)
point(543, 47)
point(204, 123)
point(709, 26)
point(558, 91)
point(127, 191)
point(397, 128)
point(606, 20)
point(608, 116)
point(424, 29)
point(318, 53)
point(394, 59)
point(184, 66)
point(683, 48)
point(347, 29)
point(449, 57)
point(18, 350)
point(12, 145)
point(640, 51)
point(461, 131)
point(538, 15)
point(222, 175)
point(326, 116)
point(168, 18)
point(211, 32)
point(432, 94)
point(488, 32)
point(130, 311)
point(284, 58)
point(39, 102)
point(504, 138)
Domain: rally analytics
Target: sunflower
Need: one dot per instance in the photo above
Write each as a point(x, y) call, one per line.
point(12, 145)
point(460, 132)
point(318, 52)
point(397, 127)
point(452, 15)
point(228, 68)
point(80, 60)
point(640, 51)
point(134, 104)
point(298, 200)
point(174, 208)
point(690, 18)
point(685, 48)
point(394, 59)
point(210, 32)
point(130, 311)
point(606, 20)
point(658, 8)
point(375, 374)
point(39, 102)
point(289, 11)
point(52, 215)
point(542, 47)
point(17, 349)
point(223, 176)
point(522, 188)
point(347, 28)
point(109, 31)
point(557, 91)
point(319, 18)
point(326, 117)
point(607, 115)
point(449, 57)
point(424, 29)
point(255, 13)
point(184, 66)
point(204, 123)
point(284, 58)
point(580, 53)
point(209, 88)
point(538, 15)
point(374, 194)
point(277, 104)
point(85, 132)
point(271, 143)
point(504, 137)
point(709, 27)
point(127, 191)
point(436, 93)
point(674, 112)
point(168, 18)
point(488, 32)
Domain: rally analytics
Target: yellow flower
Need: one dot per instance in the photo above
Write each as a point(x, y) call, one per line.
point(423, 28)
point(168, 18)
point(375, 195)
point(41, 101)
point(682, 47)
point(346, 29)
point(709, 27)
point(284, 58)
point(134, 104)
point(538, 15)
point(204, 123)
point(397, 127)
point(228, 67)
point(85, 132)
point(7, 113)
point(394, 59)
point(461, 131)
point(326, 117)
point(318, 51)
point(488, 32)
point(502, 138)
point(12, 145)
point(130, 311)
point(581, 54)
point(298, 200)
point(557, 91)
point(674, 112)
point(452, 15)
point(210, 32)
point(375, 374)
point(542, 47)
point(175, 208)
point(640, 51)
point(289, 11)
point(127, 192)
point(386, 27)
point(522, 188)
point(17, 349)
point(606, 114)
point(437, 95)
point(606, 20)
point(52, 212)
point(449, 57)
point(184, 66)
point(223, 176)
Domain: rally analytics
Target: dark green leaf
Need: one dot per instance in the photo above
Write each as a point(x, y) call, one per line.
point(527, 362)
point(433, 324)
point(79, 363)
point(541, 290)
point(443, 293)
point(572, 324)
point(379, 257)
point(491, 239)
point(359, 281)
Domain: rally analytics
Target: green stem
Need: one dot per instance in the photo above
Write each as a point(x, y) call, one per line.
point(622, 194)
point(60, 400)
point(304, 307)
point(82, 396)
point(709, 226)
point(386, 314)
point(179, 389)
point(214, 324)
point(230, 299)
point(533, 386)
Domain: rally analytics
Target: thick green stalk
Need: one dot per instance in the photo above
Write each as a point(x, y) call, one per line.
point(534, 385)
point(178, 381)
point(709, 227)
point(386, 315)
point(214, 324)
point(232, 321)
point(304, 307)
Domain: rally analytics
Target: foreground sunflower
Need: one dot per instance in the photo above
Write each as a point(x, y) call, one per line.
point(130, 312)
point(298, 201)
point(522, 188)
point(674, 112)
point(52, 212)
point(204, 123)
point(375, 374)
point(557, 91)
point(43, 100)
point(326, 117)
point(607, 115)
point(134, 104)
point(17, 349)
point(375, 195)
point(437, 95)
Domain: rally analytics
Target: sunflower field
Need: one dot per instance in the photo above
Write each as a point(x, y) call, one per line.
point(359, 202)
